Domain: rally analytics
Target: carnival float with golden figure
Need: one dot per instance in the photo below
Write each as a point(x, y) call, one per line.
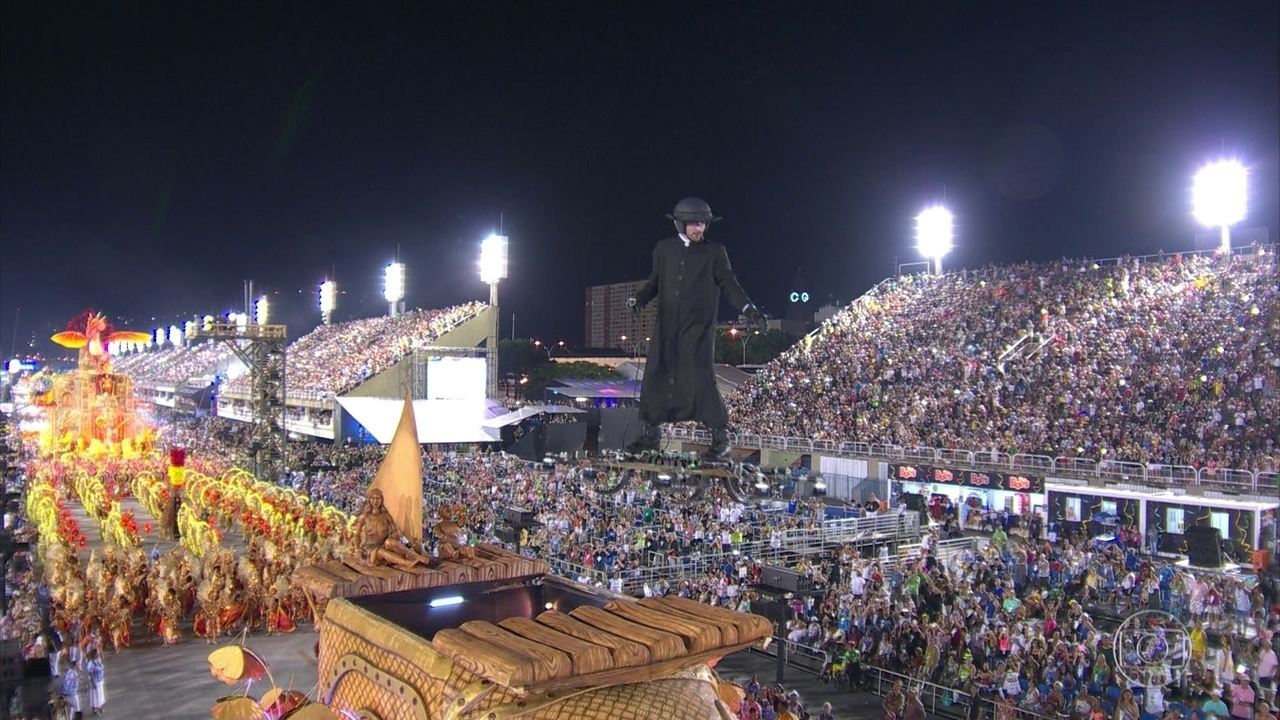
point(480, 632)
point(91, 409)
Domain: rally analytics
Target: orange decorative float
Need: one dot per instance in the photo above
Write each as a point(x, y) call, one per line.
point(92, 409)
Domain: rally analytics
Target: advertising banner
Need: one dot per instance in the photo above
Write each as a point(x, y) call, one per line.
point(983, 480)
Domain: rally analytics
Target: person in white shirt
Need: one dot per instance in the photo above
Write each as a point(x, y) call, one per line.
point(857, 585)
point(1154, 700)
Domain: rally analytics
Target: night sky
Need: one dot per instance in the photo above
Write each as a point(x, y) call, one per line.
point(153, 158)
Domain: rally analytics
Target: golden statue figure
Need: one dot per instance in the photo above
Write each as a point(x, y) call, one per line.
point(378, 537)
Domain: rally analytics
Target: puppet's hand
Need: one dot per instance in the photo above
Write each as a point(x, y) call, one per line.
point(634, 304)
point(755, 318)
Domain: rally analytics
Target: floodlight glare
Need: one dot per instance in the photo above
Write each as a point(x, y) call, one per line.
point(175, 336)
point(328, 296)
point(393, 283)
point(493, 258)
point(1219, 196)
point(262, 310)
point(159, 336)
point(933, 232)
point(189, 329)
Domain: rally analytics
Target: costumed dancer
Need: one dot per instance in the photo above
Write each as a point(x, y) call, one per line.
point(689, 274)
point(278, 618)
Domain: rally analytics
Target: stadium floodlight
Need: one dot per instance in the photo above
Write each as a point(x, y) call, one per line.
point(1219, 197)
point(160, 336)
point(241, 320)
point(262, 311)
point(328, 298)
point(175, 336)
point(493, 268)
point(934, 228)
point(393, 285)
point(493, 259)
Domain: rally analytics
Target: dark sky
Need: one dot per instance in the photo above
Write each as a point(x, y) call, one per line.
point(152, 158)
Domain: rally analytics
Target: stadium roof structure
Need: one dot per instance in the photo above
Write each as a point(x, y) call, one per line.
point(438, 421)
point(528, 411)
point(592, 389)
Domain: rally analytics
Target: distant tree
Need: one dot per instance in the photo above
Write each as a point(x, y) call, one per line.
point(761, 348)
point(519, 356)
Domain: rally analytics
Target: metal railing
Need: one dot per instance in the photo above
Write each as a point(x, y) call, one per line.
point(1244, 481)
point(936, 699)
point(886, 528)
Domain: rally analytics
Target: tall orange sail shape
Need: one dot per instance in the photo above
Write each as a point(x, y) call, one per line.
point(400, 475)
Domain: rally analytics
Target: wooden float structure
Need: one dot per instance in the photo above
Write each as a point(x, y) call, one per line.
point(593, 655)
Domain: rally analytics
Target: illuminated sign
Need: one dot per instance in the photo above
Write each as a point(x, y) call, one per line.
point(967, 478)
point(799, 296)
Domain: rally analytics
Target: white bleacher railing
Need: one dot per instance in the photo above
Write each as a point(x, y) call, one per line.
point(1245, 481)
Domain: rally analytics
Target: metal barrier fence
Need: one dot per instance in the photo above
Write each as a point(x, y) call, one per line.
point(936, 699)
point(890, 528)
point(1041, 465)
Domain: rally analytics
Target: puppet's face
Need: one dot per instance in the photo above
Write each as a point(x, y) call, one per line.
point(695, 230)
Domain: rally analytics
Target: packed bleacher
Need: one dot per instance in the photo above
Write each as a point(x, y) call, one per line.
point(1170, 361)
point(335, 358)
point(173, 365)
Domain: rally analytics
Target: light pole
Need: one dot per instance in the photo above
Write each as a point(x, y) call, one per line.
point(1219, 197)
point(393, 287)
point(933, 234)
point(538, 344)
point(735, 332)
point(328, 300)
point(493, 267)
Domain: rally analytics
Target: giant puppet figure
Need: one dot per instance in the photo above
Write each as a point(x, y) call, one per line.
point(689, 274)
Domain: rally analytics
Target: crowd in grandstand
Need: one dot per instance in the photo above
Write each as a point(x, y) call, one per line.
point(334, 358)
point(1009, 624)
point(1171, 361)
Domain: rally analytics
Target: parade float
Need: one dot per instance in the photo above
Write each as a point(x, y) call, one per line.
point(91, 409)
point(476, 631)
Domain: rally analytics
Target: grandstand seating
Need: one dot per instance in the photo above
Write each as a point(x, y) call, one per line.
point(1158, 361)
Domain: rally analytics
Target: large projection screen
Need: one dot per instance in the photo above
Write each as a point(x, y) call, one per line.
point(456, 378)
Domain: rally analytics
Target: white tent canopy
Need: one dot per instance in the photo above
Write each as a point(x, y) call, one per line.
point(438, 421)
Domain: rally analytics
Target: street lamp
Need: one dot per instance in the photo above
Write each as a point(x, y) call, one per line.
point(393, 287)
point(328, 298)
point(1219, 197)
point(735, 332)
point(538, 344)
point(933, 234)
point(493, 268)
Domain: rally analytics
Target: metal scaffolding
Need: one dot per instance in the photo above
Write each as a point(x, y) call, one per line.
point(262, 349)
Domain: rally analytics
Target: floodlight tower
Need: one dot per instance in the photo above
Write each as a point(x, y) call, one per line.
point(1219, 197)
point(493, 267)
point(261, 311)
point(933, 234)
point(175, 336)
point(328, 296)
point(393, 288)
